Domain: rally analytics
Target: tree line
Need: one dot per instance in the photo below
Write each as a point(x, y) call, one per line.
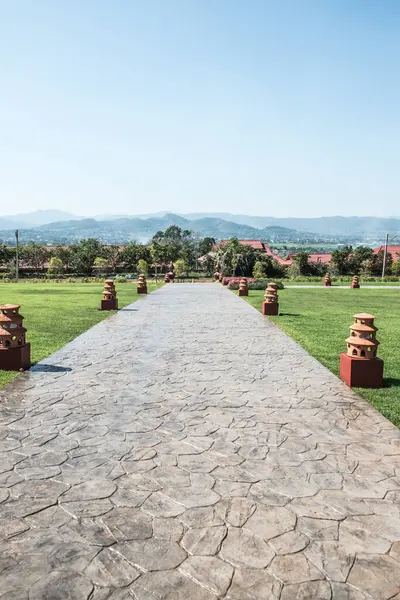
point(183, 249)
point(90, 256)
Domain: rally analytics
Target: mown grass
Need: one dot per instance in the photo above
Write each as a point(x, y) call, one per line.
point(338, 283)
point(57, 313)
point(319, 320)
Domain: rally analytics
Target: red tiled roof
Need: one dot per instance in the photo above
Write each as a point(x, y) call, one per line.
point(256, 244)
point(282, 261)
point(320, 258)
point(393, 250)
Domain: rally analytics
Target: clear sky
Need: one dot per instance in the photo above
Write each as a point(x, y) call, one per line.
point(263, 107)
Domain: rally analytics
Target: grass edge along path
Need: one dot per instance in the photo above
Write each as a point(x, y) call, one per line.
point(57, 313)
point(319, 321)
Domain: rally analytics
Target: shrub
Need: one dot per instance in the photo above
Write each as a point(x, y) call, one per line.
point(259, 271)
point(143, 267)
point(56, 267)
point(254, 285)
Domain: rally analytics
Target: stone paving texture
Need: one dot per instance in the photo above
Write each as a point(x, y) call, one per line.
point(186, 449)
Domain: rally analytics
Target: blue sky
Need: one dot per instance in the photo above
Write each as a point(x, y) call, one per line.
point(283, 108)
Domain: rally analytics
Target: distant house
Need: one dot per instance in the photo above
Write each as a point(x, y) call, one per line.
point(256, 244)
point(323, 259)
point(393, 250)
point(282, 261)
point(288, 260)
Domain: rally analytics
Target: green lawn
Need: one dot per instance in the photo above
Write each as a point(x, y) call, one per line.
point(319, 320)
point(55, 313)
point(336, 283)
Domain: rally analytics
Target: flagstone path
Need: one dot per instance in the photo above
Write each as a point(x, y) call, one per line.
point(186, 449)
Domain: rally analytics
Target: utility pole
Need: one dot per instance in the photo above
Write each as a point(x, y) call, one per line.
point(385, 255)
point(16, 256)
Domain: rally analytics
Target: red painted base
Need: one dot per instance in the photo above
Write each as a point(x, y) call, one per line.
point(15, 359)
point(243, 292)
point(355, 287)
point(109, 304)
point(270, 309)
point(361, 372)
point(142, 290)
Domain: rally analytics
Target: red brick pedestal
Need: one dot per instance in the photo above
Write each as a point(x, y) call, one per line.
point(243, 292)
point(15, 359)
point(111, 304)
point(361, 372)
point(15, 352)
point(270, 309)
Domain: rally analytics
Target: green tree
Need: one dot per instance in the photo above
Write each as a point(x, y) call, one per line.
point(396, 267)
point(132, 253)
point(158, 255)
point(259, 270)
point(84, 255)
point(143, 267)
point(378, 263)
point(301, 259)
point(113, 255)
point(175, 243)
point(361, 254)
point(100, 264)
point(64, 253)
point(181, 268)
point(208, 265)
point(340, 260)
point(56, 266)
point(34, 255)
point(271, 266)
point(206, 245)
point(6, 254)
point(235, 258)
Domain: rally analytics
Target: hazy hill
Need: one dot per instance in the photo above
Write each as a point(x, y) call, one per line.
point(119, 229)
point(336, 225)
point(35, 219)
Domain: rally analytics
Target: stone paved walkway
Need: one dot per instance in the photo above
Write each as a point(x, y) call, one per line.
point(186, 449)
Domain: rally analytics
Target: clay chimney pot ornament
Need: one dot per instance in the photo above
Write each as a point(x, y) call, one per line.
point(14, 350)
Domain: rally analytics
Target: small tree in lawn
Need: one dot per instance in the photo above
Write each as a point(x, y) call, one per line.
point(181, 268)
point(56, 266)
point(143, 267)
point(259, 271)
point(101, 264)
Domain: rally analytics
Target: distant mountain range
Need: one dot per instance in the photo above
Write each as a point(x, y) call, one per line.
point(54, 226)
point(35, 219)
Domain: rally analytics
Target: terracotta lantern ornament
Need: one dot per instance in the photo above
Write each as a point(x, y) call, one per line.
point(355, 284)
point(217, 275)
point(142, 285)
point(243, 287)
point(270, 306)
point(15, 352)
point(109, 301)
point(360, 366)
point(327, 280)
